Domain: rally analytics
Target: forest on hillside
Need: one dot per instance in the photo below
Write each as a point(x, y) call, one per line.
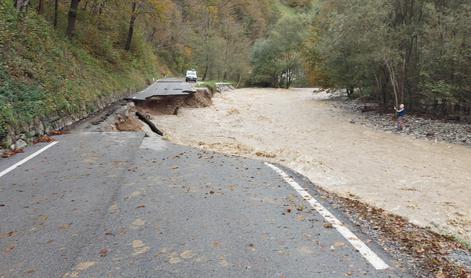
point(68, 57)
point(416, 52)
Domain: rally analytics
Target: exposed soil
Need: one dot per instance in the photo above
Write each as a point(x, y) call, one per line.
point(426, 183)
point(170, 105)
point(129, 124)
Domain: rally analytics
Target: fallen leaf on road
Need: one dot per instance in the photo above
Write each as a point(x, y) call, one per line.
point(44, 139)
point(339, 244)
point(162, 251)
point(103, 252)
point(64, 227)
point(7, 235)
point(9, 249)
point(7, 154)
point(141, 206)
point(122, 231)
point(305, 250)
point(113, 208)
point(138, 223)
point(56, 132)
point(328, 226)
point(139, 247)
point(84, 265)
point(187, 254)
point(174, 260)
point(223, 262)
point(135, 194)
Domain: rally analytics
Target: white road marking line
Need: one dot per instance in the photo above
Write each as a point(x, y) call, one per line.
point(359, 245)
point(18, 164)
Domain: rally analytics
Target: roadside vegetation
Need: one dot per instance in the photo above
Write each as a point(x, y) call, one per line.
point(45, 76)
point(211, 85)
point(68, 57)
point(391, 52)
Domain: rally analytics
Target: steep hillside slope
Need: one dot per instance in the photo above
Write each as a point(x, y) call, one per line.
point(51, 74)
point(45, 77)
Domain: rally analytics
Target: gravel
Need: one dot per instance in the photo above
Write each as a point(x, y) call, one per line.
point(418, 127)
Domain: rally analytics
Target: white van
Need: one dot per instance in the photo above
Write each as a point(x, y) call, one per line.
point(191, 76)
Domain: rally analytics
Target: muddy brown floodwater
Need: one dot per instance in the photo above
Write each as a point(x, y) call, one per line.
point(425, 182)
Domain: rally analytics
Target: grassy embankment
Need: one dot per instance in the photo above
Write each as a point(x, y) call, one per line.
point(44, 75)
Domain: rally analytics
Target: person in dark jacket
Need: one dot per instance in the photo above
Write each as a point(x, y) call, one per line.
point(401, 114)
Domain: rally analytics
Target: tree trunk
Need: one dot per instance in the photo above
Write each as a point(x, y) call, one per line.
point(56, 8)
point(40, 6)
point(394, 82)
point(100, 9)
point(131, 27)
point(72, 18)
point(206, 68)
point(240, 79)
point(151, 37)
point(289, 79)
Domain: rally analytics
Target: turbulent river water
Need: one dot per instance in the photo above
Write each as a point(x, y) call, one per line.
point(428, 183)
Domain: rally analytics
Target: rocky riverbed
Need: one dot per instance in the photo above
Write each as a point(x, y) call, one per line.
point(418, 127)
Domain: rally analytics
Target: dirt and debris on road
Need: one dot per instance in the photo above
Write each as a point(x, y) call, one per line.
point(424, 252)
point(425, 182)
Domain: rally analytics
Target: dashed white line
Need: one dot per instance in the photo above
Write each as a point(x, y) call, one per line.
point(18, 164)
point(359, 245)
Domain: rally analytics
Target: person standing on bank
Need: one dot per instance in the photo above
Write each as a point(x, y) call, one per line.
point(401, 114)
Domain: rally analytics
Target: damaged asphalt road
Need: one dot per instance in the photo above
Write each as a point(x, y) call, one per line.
point(121, 205)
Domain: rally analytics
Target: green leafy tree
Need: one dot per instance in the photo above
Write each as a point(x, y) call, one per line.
point(276, 60)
